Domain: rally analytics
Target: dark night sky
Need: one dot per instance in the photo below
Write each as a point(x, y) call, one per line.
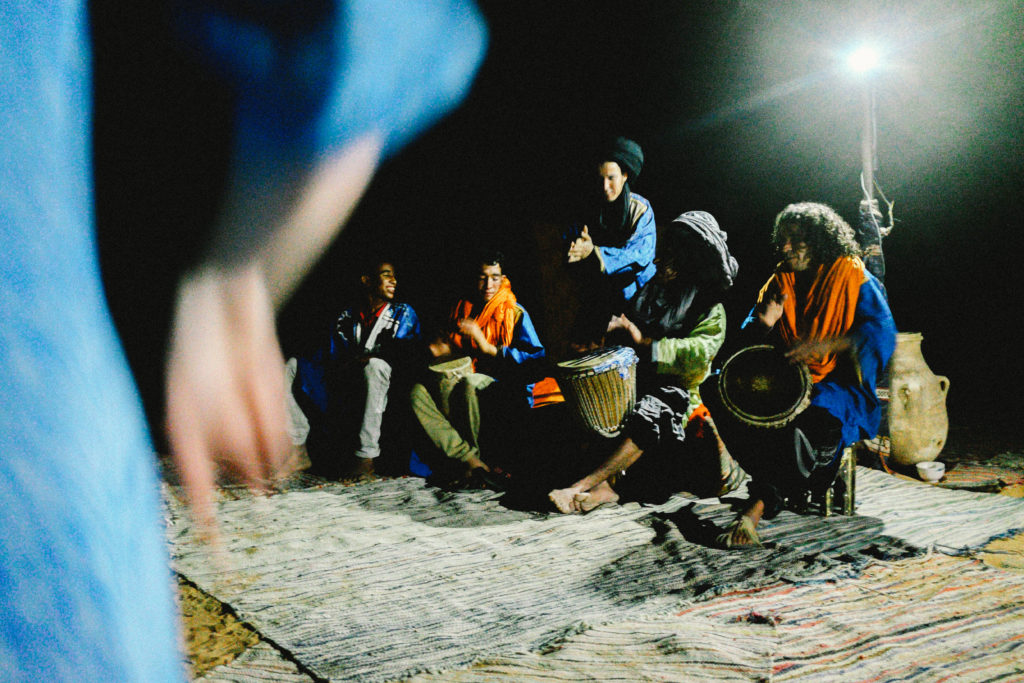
point(740, 106)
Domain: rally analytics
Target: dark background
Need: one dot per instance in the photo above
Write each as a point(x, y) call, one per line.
point(741, 108)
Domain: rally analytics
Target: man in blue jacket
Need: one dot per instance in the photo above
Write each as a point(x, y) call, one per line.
point(494, 332)
point(612, 253)
point(345, 385)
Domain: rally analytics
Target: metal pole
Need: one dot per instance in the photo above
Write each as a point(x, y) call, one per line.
point(868, 149)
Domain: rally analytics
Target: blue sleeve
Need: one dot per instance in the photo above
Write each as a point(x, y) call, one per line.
point(637, 255)
point(525, 347)
point(341, 341)
point(314, 76)
point(409, 327)
point(873, 334)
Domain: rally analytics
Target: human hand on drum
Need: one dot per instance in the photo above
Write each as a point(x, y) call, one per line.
point(769, 309)
point(581, 247)
point(806, 352)
point(440, 348)
point(621, 322)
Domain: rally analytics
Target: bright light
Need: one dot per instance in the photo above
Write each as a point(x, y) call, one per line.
point(862, 60)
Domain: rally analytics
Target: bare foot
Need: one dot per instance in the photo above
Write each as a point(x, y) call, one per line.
point(359, 469)
point(565, 499)
point(599, 495)
point(742, 532)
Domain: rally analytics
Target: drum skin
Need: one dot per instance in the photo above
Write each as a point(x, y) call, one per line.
point(600, 387)
point(762, 388)
point(454, 369)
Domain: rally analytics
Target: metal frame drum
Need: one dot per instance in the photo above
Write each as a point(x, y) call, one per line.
point(760, 387)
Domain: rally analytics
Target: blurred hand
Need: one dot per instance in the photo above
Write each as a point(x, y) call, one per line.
point(225, 398)
point(581, 247)
point(770, 309)
point(470, 328)
point(439, 348)
point(806, 352)
point(621, 322)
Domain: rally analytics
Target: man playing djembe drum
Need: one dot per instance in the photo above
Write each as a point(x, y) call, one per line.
point(825, 309)
point(676, 323)
point(496, 332)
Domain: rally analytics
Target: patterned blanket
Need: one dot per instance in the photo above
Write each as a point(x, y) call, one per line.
point(392, 579)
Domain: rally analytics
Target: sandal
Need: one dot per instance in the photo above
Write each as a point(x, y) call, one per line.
point(741, 533)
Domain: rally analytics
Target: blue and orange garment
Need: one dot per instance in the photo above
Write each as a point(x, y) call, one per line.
point(506, 324)
point(844, 299)
point(497, 319)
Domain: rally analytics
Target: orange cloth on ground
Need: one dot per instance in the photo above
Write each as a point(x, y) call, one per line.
point(547, 392)
point(497, 319)
point(701, 413)
point(828, 311)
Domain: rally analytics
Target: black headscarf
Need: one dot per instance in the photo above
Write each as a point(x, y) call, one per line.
point(611, 225)
point(627, 154)
point(698, 247)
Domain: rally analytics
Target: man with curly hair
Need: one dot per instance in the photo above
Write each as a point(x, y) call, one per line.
point(826, 310)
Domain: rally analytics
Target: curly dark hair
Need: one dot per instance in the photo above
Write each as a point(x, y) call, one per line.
point(826, 233)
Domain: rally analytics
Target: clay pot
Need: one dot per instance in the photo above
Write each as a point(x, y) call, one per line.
point(918, 423)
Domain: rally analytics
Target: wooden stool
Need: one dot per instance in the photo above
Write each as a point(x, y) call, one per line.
point(840, 496)
point(847, 474)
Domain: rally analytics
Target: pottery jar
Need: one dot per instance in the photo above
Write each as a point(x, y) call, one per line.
point(918, 422)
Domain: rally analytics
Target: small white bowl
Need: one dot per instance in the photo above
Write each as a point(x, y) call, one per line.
point(931, 471)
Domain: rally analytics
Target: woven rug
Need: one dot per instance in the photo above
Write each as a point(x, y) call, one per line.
point(926, 516)
point(980, 477)
point(259, 664)
point(389, 579)
point(923, 619)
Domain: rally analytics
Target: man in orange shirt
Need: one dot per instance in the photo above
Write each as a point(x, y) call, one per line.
point(494, 330)
point(826, 310)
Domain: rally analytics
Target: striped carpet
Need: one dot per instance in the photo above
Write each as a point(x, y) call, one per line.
point(980, 477)
point(394, 578)
point(259, 664)
point(923, 619)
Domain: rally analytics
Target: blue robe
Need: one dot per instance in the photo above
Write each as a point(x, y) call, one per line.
point(629, 265)
point(848, 392)
point(85, 589)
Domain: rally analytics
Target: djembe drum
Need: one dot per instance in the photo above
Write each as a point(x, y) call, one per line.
point(446, 375)
point(600, 387)
point(761, 388)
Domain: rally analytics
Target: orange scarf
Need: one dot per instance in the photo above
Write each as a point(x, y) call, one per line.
point(497, 319)
point(827, 312)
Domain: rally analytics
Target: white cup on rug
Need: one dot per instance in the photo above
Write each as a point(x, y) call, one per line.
point(931, 471)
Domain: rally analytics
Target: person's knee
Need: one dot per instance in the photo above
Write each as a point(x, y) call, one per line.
point(377, 369)
point(419, 394)
point(477, 382)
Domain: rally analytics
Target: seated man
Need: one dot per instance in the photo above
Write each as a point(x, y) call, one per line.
point(343, 388)
point(676, 323)
point(496, 332)
point(826, 310)
point(611, 255)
